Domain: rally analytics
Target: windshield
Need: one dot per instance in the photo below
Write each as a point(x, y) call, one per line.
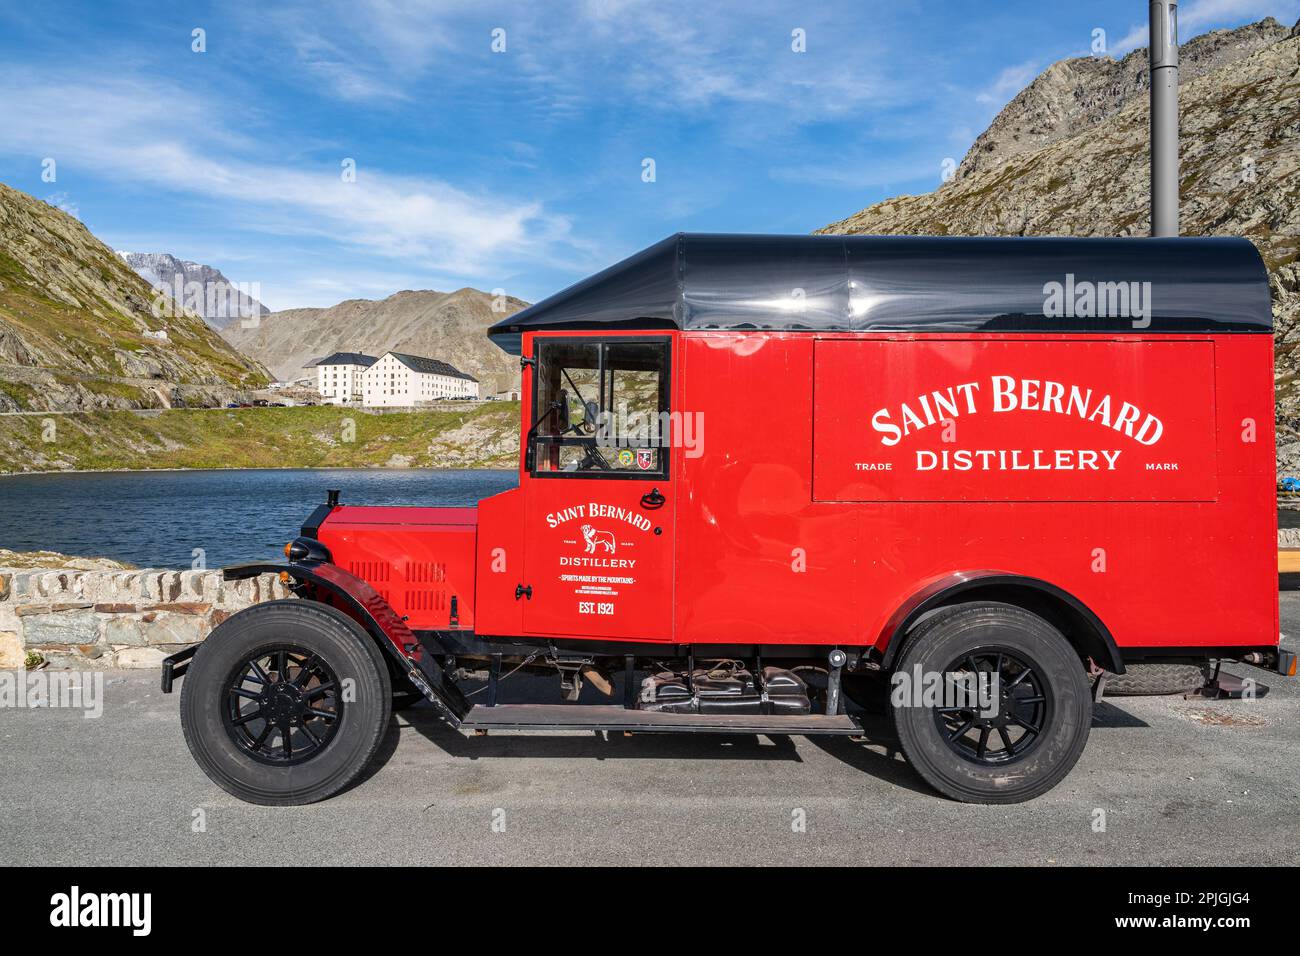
point(601, 408)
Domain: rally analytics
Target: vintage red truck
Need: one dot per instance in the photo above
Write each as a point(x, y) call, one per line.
point(761, 474)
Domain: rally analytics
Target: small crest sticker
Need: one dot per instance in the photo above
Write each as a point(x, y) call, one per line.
point(645, 458)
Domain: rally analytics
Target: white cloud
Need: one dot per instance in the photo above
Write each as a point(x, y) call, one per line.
point(1009, 82)
point(1195, 16)
point(865, 172)
point(62, 202)
point(370, 50)
point(113, 128)
point(656, 53)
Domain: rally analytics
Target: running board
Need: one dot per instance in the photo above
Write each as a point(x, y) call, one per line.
point(611, 717)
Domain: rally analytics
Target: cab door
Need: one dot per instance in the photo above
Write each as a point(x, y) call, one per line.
point(599, 508)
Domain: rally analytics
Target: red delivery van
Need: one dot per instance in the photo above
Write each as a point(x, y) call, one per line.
point(764, 478)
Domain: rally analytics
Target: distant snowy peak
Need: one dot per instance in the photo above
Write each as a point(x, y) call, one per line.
point(202, 289)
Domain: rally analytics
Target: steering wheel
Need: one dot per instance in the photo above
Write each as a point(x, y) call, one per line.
point(593, 461)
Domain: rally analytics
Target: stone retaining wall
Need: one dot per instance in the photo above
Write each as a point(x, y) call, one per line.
point(98, 619)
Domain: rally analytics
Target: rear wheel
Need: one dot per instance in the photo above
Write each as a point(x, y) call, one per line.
point(285, 703)
point(1011, 712)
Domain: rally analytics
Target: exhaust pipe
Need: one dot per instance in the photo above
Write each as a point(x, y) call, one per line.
point(1163, 49)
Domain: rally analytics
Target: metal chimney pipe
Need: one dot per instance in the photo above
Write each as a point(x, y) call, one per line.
point(1164, 117)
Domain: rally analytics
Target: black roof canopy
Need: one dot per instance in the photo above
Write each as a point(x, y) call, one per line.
point(915, 283)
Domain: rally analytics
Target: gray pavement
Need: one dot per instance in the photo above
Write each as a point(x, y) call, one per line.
point(1180, 782)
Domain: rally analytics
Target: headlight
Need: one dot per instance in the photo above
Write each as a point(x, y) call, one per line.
point(306, 549)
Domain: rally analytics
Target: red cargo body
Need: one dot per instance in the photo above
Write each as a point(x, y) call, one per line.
point(797, 525)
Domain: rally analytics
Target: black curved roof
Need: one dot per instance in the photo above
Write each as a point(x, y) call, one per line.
point(913, 283)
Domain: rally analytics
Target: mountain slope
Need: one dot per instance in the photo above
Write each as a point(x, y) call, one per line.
point(450, 326)
point(77, 329)
point(203, 289)
point(1072, 95)
point(1240, 177)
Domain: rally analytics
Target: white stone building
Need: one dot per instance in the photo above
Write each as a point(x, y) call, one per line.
point(402, 381)
point(339, 377)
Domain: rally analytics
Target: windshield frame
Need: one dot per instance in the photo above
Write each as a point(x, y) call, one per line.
point(537, 441)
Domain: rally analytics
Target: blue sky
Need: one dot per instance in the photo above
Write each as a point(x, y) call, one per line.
point(522, 169)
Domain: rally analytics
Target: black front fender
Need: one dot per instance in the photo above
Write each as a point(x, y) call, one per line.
point(356, 597)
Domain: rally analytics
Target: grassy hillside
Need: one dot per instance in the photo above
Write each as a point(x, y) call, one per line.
point(79, 328)
point(477, 436)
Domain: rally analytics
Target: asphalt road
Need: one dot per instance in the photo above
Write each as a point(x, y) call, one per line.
point(1179, 781)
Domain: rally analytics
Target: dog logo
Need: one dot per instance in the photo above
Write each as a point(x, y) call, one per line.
point(595, 539)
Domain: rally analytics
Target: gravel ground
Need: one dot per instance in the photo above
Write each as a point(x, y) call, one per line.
point(1179, 782)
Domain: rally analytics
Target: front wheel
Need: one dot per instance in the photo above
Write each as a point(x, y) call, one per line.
point(285, 703)
point(991, 703)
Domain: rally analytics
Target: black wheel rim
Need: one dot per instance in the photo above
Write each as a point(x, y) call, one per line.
point(282, 705)
point(1012, 728)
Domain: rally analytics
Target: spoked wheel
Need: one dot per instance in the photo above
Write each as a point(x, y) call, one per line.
point(284, 705)
point(286, 702)
point(1016, 710)
point(1020, 707)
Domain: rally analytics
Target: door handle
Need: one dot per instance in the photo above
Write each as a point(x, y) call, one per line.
point(652, 500)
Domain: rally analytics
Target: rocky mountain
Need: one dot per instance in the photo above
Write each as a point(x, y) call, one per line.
point(1073, 95)
point(199, 288)
point(450, 326)
point(79, 329)
point(1086, 173)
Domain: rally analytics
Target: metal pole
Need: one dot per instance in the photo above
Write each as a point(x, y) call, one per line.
point(1164, 117)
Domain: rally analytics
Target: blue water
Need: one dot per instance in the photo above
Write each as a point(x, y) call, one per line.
point(158, 519)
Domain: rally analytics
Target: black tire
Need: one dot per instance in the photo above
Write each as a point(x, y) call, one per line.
point(1154, 680)
point(1052, 698)
point(326, 646)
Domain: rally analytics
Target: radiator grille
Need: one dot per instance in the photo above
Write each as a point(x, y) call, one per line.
point(425, 572)
point(426, 600)
point(371, 571)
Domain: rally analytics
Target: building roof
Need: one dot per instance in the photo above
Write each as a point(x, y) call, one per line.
point(346, 358)
point(418, 363)
point(907, 283)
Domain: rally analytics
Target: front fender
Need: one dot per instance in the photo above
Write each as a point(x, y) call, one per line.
point(358, 597)
point(361, 601)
